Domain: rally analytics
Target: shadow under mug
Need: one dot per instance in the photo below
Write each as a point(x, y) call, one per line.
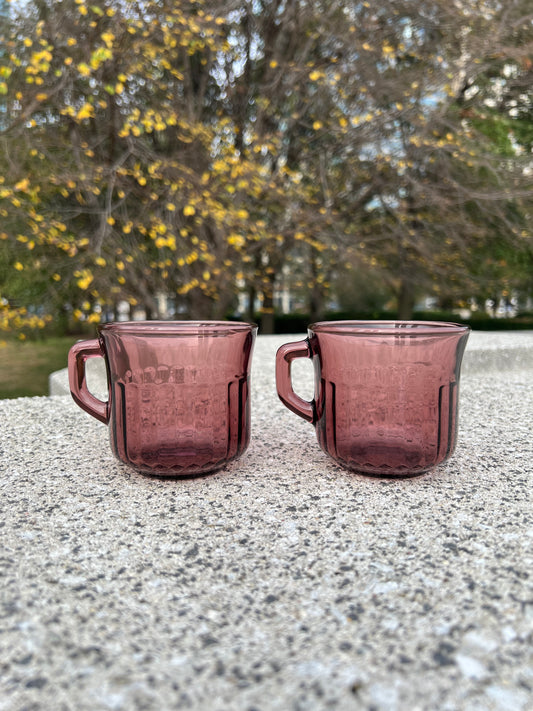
point(386, 392)
point(178, 399)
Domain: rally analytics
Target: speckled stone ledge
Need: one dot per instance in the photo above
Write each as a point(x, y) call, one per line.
point(282, 583)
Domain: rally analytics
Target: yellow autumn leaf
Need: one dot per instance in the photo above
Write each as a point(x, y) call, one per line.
point(84, 282)
point(108, 38)
point(22, 184)
point(84, 69)
point(189, 210)
point(236, 240)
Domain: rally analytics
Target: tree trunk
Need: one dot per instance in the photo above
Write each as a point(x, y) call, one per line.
point(200, 306)
point(267, 308)
point(406, 300)
point(267, 316)
point(316, 296)
point(250, 314)
point(151, 311)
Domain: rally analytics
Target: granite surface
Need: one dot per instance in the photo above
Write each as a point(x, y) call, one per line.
point(280, 583)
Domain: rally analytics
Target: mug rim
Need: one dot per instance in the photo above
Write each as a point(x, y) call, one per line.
point(177, 328)
point(390, 327)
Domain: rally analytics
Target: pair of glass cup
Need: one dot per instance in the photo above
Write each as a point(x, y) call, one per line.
point(385, 393)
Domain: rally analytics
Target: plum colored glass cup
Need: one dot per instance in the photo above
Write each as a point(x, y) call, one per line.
point(178, 392)
point(386, 392)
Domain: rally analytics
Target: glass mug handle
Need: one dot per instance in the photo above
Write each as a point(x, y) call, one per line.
point(285, 355)
point(77, 357)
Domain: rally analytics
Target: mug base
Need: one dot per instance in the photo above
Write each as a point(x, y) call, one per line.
point(171, 474)
point(388, 461)
point(179, 472)
point(159, 465)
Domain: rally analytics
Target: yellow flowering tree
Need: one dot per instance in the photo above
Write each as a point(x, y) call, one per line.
point(120, 173)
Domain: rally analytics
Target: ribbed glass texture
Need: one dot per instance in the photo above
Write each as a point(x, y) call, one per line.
point(386, 393)
point(178, 393)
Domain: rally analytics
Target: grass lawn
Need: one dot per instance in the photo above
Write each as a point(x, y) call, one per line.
point(25, 366)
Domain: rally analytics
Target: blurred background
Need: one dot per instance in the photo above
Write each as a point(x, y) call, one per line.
point(281, 161)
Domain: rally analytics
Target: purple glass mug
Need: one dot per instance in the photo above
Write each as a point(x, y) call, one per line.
point(386, 392)
point(178, 392)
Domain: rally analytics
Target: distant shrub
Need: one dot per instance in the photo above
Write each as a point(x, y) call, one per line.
point(298, 323)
